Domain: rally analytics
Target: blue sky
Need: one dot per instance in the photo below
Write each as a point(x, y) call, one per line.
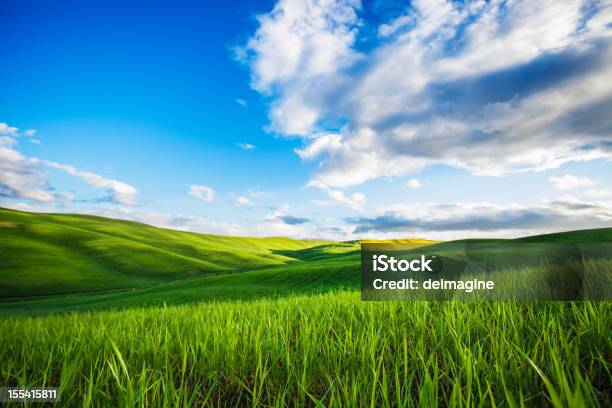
point(331, 118)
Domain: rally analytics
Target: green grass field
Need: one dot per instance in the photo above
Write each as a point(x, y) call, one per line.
point(118, 313)
point(329, 350)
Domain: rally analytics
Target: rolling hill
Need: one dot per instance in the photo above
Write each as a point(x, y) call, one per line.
point(59, 262)
point(49, 254)
point(63, 262)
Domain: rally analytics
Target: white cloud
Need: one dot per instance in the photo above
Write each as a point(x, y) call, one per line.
point(414, 183)
point(11, 131)
point(279, 211)
point(568, 182)
point(7, 141)
point(278, 228)
point(203, 193)
point(356, 201)
point(483, 219)
point(598, 193)
point(258, 193)
point(25, 177)
point(281, 223)
point(270, 226)
point(327, 144)
point(67, 196)
point(245, 146)
point(240, 201)
point(241, 102)
point(6, 130)
point(22, 177)
point(19, 207)
point(179, 222)
point(401, 22)
point(489, 87)
point(121, 192)
point(297, 46)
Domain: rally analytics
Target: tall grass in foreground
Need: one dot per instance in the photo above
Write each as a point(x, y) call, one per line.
point(329, 350)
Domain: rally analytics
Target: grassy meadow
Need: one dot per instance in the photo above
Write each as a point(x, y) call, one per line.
point(328, 350)
point(200, 320)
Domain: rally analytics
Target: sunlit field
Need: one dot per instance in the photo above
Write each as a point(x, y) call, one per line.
point(327, 350)
point(222, 321)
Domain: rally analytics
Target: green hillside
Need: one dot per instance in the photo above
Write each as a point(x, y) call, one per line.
point(46, 254)
point(57, 262)
point(273, 282)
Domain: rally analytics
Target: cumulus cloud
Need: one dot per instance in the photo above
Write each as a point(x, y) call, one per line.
point(355, 201)
point(240, 201)
point(7, 130)
point(12, 131)
point(19, 207)
point(489, 87)
point(22, 177)
point(180, 222)
point(121, 192)
point(281, 223)
point(568, 182)
point(203, 193)
point(245, 146)
point(414, 183)
point(300, 46)
point(281, 215)
point(291, 220)
point(485, 218)
point(277, 223)
point(258, 193)
point(280, 229)
point(597, 193)
point(25, 177)
point(241, 102)
point(200, 224)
